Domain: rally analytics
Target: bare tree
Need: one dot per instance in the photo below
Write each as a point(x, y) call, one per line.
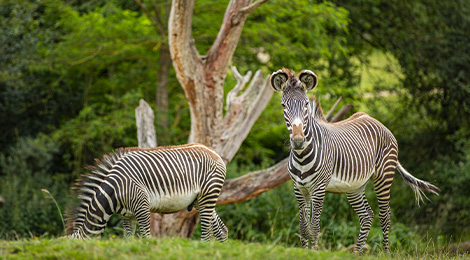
point(202, 78)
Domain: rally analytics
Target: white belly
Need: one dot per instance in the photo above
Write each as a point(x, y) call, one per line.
point(337, 185)
point(170, 204)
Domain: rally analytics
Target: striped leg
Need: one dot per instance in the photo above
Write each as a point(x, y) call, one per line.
point(317, 205)
point(358, 201)
point(129, 224)
point(383, 197)
point(142, 215)
point(382, 183)
point(206, 221)
point(304, 216)
point(219, 228)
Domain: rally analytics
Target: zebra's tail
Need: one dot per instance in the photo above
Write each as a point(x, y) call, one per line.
point(417, 185)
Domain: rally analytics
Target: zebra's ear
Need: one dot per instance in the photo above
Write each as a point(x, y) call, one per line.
point(309, 79)
point(278, 80)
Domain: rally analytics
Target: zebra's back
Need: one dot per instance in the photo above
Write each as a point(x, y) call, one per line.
point(358, 145)
point(171, 177)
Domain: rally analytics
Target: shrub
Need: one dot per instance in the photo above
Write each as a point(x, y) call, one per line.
point(27, 210)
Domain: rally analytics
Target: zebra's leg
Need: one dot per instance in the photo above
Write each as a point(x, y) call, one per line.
point(382, 184)
point(129, 223)
point(142, 215)
point(304, 216)
point(206, 213)
point(358, 201)
point(318, 197)
point(219, 228)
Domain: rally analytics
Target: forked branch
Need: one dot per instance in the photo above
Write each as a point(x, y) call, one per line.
point(242, 111)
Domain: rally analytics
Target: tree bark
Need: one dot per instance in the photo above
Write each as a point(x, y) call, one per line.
point(242, 111)
point(202, 79)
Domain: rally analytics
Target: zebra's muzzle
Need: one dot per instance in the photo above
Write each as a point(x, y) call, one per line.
point(297, 142)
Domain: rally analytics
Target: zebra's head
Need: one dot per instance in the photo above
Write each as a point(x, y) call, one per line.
point(295, 102)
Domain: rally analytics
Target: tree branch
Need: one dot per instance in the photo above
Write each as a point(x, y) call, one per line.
point(342, 113)
point(242, 112)
point(253, 6)
point(329, 115)
point(182, 48)
point(253, 184)
point(221, 52)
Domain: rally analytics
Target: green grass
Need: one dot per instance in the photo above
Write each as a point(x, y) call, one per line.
point(157, 249)
point(173, 248)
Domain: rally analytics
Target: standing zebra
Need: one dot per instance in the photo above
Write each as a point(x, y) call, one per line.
point(339, 158)
point(133, 182)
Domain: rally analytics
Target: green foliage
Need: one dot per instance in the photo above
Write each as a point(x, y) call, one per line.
point(27, 210)
point(293, 32)
point(33, 98)
point(98, 129)
point(449, 213)
point(113, 50)
point(430, 40)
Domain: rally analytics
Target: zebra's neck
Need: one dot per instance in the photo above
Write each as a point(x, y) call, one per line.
point(303, 164)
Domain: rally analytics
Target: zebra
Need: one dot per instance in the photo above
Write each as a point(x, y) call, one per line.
point(338, 158)
point(133, 182)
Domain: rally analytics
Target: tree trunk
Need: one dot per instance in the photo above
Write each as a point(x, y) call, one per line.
point(202, 78)
point(158, 14)
point(162, 88)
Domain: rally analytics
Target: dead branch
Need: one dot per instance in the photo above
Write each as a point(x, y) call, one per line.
point(253, 184)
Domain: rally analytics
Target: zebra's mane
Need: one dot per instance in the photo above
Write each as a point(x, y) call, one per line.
point(85, 187)
point(318, 111)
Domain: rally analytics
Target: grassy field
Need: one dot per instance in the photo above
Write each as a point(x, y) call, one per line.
point(174, 249)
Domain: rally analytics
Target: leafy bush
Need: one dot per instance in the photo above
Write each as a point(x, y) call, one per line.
point(27, 210)
point(448, 214)
point(98, 129)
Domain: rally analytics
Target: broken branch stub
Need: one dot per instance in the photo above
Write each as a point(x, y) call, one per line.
point(144, 118)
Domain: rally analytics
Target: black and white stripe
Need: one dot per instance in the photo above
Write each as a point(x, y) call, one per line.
point(133, 182)
point(339, 158)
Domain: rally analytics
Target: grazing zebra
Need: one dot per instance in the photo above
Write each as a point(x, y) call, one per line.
point(339, 158)
point(133, 182)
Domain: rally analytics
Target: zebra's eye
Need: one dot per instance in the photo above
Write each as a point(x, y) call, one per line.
point(283, 105)
point(306, 105)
